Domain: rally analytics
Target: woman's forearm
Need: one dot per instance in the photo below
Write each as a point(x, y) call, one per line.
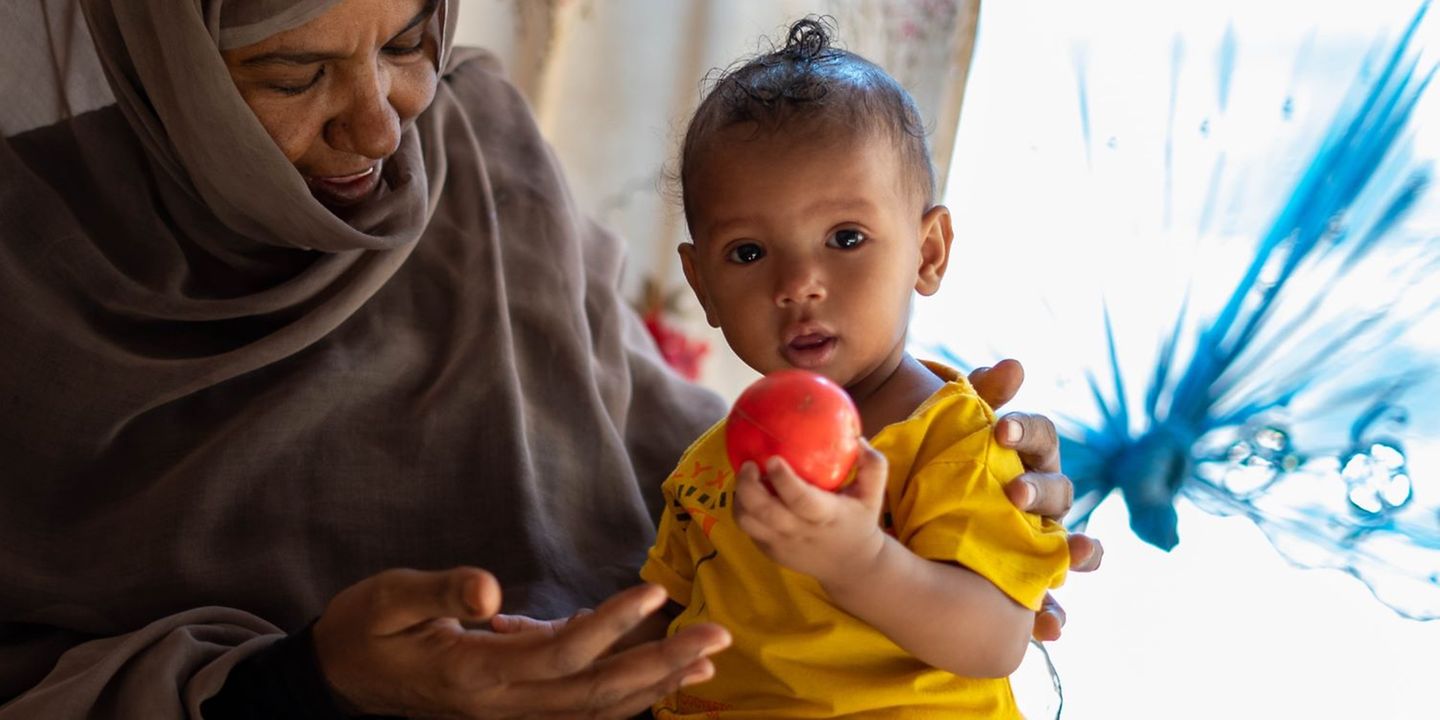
point(943, 614)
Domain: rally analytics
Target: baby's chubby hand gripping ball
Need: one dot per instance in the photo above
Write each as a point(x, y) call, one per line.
point(804, 418)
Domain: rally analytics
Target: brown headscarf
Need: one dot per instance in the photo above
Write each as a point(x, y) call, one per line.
point(222, 403)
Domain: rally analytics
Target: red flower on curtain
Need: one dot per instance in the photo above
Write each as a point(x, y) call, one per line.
point(681, 352)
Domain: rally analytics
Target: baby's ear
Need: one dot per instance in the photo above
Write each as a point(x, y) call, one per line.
point(688, 261)
point(935, 237)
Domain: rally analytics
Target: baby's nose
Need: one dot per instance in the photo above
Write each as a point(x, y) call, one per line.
point(799, 284)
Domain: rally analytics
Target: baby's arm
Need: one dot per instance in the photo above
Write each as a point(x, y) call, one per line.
point(941, 613)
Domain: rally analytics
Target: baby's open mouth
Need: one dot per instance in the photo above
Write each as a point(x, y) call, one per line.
point(810, 350)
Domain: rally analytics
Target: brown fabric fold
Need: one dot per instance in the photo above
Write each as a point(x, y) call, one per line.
point(237, 24)
point(222, 404)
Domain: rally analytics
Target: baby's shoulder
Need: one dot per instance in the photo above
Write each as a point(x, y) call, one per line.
point(709, 448)
point(953, 426)
point(956, 409)
point(710, 441)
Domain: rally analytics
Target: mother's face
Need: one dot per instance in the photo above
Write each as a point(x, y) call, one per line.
point(336, 92)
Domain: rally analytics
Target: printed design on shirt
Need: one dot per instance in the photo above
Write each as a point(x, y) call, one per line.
point(700, 494)
point(690, 705)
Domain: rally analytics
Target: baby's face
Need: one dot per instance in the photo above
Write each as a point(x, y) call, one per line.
point(807, 249)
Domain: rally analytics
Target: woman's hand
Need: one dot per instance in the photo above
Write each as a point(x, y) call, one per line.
point(397, 643)
point(1043, 489)
point(514, 624)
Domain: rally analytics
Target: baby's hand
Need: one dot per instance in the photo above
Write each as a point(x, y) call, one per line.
point(827, 535)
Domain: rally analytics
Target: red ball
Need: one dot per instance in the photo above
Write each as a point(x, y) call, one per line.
point(804, 418)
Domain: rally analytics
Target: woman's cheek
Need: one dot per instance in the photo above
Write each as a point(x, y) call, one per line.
point(413, 89)
point(292, 123)
point(295, 140)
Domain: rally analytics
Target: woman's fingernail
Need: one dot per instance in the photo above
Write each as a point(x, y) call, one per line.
point(470, 593)
point(1012, 432)
point(1058, 619)
point(1027, 493)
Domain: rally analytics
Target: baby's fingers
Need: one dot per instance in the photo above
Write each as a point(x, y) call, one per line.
point(805, 501)
point(872, 472)
point(757, 512)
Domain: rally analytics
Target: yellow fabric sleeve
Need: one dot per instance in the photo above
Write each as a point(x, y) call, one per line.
point(954, 509)
point(668, 562)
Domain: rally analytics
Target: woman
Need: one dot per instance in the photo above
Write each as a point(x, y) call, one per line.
point(298, 309)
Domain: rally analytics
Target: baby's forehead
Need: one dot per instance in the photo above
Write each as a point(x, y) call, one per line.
point(813, 129)
point(795, 149)
point(812, 151)
point(808, 163)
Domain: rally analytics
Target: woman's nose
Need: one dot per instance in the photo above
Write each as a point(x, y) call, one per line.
point(799, 282)
point(367, 125)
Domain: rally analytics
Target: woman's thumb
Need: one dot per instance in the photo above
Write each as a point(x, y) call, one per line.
point(405, 598)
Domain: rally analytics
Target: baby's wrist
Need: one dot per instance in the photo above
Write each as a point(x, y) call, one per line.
point(857, 567)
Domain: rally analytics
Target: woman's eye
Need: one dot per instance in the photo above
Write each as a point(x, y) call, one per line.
point(846, 239)
point(745, 253)
point(297, 89)
point(405, 49)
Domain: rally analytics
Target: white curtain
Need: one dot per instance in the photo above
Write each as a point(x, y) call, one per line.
point(613, 82)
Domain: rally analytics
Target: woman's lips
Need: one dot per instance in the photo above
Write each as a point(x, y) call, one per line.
point(345, 189)
point(811, 350)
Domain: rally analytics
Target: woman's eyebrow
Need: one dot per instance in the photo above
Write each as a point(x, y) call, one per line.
point(422, 16)
point(290, 57)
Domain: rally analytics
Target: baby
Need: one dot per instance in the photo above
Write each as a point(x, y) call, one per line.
point(911, 591)
point(809, 196)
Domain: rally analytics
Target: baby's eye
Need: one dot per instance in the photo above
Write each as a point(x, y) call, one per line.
point(846, 239)
point(745, 253)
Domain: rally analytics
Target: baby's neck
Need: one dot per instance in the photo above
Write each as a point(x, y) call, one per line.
point(895, 398)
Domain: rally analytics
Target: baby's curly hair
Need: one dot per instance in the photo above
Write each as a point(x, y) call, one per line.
point(810, 80)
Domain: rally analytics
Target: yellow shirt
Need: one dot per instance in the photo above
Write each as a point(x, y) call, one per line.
point(796, 655)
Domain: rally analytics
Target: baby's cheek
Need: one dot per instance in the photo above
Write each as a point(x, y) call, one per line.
point(875, 320)
point(746, 342)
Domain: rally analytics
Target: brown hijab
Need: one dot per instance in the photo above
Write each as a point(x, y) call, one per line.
point(222, 403)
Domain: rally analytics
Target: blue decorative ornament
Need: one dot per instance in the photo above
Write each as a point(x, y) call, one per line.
point(1279, 395)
